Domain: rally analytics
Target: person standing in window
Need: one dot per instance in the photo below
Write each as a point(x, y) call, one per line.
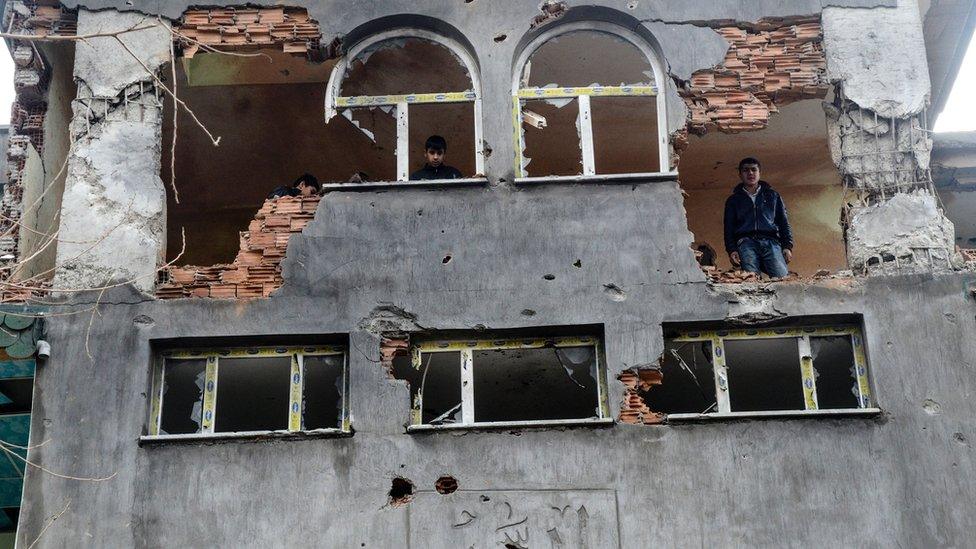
point(758, 236)
point(435, 149)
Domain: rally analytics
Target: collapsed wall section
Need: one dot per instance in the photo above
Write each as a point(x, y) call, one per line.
point(256, 271)
point(116, 216)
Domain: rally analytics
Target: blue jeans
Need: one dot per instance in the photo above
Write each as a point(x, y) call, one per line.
point(762, 255)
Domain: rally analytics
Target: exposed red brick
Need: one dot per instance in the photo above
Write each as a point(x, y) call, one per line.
point(393, 347)
point(237, 28)
point(256, 272)
point(768, 65)
point(634, 409)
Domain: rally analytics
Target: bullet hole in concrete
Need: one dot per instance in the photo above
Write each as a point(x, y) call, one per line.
point(143, 321)
point(549, 277)
point(614, 292)
point(950, 317)
point(420, 212)
point(500, 37)
point(632, 6)
point(447, 259)
point(578, 264)
point(528, 312)
point(446, 485)
point(960, 438)
point(932, 407)
point(485, 499)
point(401, 492)
point(486, 148)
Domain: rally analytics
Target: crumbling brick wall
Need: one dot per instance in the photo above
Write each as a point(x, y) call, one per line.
point(243, 28)
point(256, 272)
point(634, 408)
point(31, 78)
point(768, 64)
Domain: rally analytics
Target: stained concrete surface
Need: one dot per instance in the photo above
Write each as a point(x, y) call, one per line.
point(754, 483)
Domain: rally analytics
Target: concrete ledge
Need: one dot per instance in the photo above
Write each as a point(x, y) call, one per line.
point(490, 425)
point(607, 178)
point(243, 436)
point(394, 185)
point(782, 414)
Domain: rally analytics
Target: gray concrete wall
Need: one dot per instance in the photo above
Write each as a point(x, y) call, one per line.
point(902, 479)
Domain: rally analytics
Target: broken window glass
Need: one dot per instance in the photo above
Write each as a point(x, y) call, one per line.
point(608, 82)
point(688, 382)
point(182, 403)
point(322, 393)
point(552, 137)
point(252, 394)
point(764, 374)
point(440, 387)
point(833, 361)
point(586, 58)
point(535, 384)
point(404, 66)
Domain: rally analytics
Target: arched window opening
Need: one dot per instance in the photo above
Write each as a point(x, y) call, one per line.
point(587, 102)
point(399, 88)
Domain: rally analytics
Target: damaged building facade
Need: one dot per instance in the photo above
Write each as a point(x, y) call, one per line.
point(545, 352)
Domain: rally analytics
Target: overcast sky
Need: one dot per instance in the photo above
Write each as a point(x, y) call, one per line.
point(959, 113)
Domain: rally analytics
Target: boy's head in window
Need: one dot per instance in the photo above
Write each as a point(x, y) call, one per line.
point(434, 150)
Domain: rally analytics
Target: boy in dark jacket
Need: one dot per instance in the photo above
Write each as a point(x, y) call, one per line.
point(434, 168)
point(757, 231)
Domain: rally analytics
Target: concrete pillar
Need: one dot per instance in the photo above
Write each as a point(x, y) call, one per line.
point(113, 214)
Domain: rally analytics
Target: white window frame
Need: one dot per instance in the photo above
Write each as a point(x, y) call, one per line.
point(209, 397)
point(335, 102)
point(582, 96)
point(466, 349)
point(805, 360)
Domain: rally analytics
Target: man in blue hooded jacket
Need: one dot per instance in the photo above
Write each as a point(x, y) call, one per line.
point(757, 230)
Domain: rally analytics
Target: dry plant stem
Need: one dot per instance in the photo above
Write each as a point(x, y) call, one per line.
point(109, 286)
point(176, 118)
point(91, 321)
point(57, 38)
point(49, 523)
point(50, 472)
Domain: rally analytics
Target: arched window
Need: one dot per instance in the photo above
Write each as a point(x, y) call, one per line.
point(587, 100)
point(401, 86)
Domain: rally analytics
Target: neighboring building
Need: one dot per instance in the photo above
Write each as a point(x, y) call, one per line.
point(544, 352)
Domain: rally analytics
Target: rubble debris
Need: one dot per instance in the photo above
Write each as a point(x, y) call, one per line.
point(634, 408)
point(237, 28)
point(256, 272)
point(764, 67)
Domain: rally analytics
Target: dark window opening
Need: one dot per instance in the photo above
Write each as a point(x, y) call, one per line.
point(183, 384)
point(16, 395)
point(440, 388)
point(535, 384)
point(688, 383)
point(252, 394)
point(836, 374)
point(764, 374)
point(322, 392)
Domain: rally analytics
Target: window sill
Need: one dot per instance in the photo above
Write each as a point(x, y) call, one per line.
point(555, 423)
point(246, 435)
point(392, 185)
point(607, 178)
point(846, 412)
